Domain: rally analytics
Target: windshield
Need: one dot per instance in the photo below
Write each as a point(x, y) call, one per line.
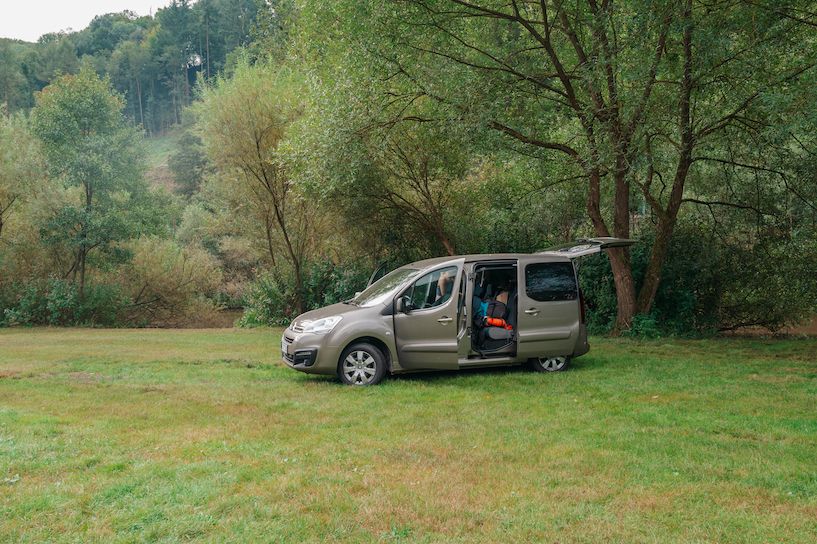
point(383, 289)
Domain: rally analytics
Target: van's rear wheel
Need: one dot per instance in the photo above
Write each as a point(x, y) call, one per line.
point(550, 364)
point(362, 364)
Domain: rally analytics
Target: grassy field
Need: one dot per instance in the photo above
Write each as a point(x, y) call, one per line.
point(158, 150)
point(165, 436)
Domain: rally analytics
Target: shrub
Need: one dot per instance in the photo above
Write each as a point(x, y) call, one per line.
point(644, 326)
point(57, 302)
point(271, 302)
point(268, 303)
point(166, 282)
point(709, 284)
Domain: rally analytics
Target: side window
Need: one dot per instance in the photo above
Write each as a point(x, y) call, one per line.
point(548, 282)
point(433, 289)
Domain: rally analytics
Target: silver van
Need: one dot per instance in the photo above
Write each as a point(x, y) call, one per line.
point(450, 313)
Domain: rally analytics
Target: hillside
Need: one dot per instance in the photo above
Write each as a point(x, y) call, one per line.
point(158, 150)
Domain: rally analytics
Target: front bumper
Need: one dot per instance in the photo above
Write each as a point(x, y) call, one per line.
point(308, 353)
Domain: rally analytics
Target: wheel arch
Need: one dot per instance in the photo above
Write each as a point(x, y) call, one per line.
point(378, 343)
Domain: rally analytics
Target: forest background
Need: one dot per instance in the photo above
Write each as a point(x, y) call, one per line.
point(266, 157)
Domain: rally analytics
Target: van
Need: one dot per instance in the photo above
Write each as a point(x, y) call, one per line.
point(450, 313)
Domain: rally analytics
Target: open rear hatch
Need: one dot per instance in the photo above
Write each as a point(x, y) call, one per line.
point(588, 246)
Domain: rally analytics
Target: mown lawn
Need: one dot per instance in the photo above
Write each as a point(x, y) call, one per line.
point(164, 436)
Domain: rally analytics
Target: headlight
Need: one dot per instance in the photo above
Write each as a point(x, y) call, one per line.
point(321, 325)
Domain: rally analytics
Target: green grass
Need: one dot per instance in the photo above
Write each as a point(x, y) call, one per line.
point(165, 436)
point(159, 148)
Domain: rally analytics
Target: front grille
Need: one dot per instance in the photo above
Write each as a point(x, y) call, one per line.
point(288, 339)
point(289, 358)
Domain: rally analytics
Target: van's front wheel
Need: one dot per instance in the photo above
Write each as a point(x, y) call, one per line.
point(362, 364)
point(550, 364)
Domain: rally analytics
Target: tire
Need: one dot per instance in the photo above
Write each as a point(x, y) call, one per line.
point(550, 364)
point(361, 365)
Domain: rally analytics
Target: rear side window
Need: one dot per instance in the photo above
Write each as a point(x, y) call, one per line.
point(547, 282)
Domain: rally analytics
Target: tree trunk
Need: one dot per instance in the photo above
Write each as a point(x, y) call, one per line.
point(294, 258)
point(449, 247)
point(625, 288)
point(652, 275)
point(667, 219)
point(82, 254)
point(268, 231)
point(207, 43)
point(619, 258)
point(139, 97)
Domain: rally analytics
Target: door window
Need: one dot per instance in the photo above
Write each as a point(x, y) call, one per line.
point(434, 289)
point(546, 282)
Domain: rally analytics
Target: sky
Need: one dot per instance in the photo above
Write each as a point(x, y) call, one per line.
point(29, 19)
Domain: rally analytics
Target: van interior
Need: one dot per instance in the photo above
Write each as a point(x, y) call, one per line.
point(494, 310)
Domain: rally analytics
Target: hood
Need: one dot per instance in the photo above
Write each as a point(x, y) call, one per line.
point(327, 311)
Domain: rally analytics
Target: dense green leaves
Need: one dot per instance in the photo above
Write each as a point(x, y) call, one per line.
point(87, 145)
point(330, 136)
point(21, 166)
point(153, 61)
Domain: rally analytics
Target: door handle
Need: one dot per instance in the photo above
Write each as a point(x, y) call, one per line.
point(532, 311)
point(445, 320)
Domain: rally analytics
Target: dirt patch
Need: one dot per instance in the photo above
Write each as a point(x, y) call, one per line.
point(221, 319)
point(777, 378)
point(84, 377)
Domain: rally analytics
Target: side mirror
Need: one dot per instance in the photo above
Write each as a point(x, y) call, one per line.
point(402, 305)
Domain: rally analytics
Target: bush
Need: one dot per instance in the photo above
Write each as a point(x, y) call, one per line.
point(710, 284)
point(167, 282)
point(271, 300)
point(57, 302)
point(644, 326)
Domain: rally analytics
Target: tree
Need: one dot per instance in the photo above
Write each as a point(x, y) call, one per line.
point(637, 99)
point(12, 79)
point(164, 280)
point(243, 121)
point(20, 164)
point(407, 173)
point(87, 144)
point(128, 64)
point(56, 55)
point(188, 163)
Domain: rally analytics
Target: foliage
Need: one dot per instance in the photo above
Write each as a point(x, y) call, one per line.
point(57, 302)
point(268, 301)
point(188, 163)
point(86, 144)
point(154, 60)
point(712, 284)
point(244, 121)
point(165, 282)
point(328, 137)
point(161, 284)
point(634, 100)
point(21, 164)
